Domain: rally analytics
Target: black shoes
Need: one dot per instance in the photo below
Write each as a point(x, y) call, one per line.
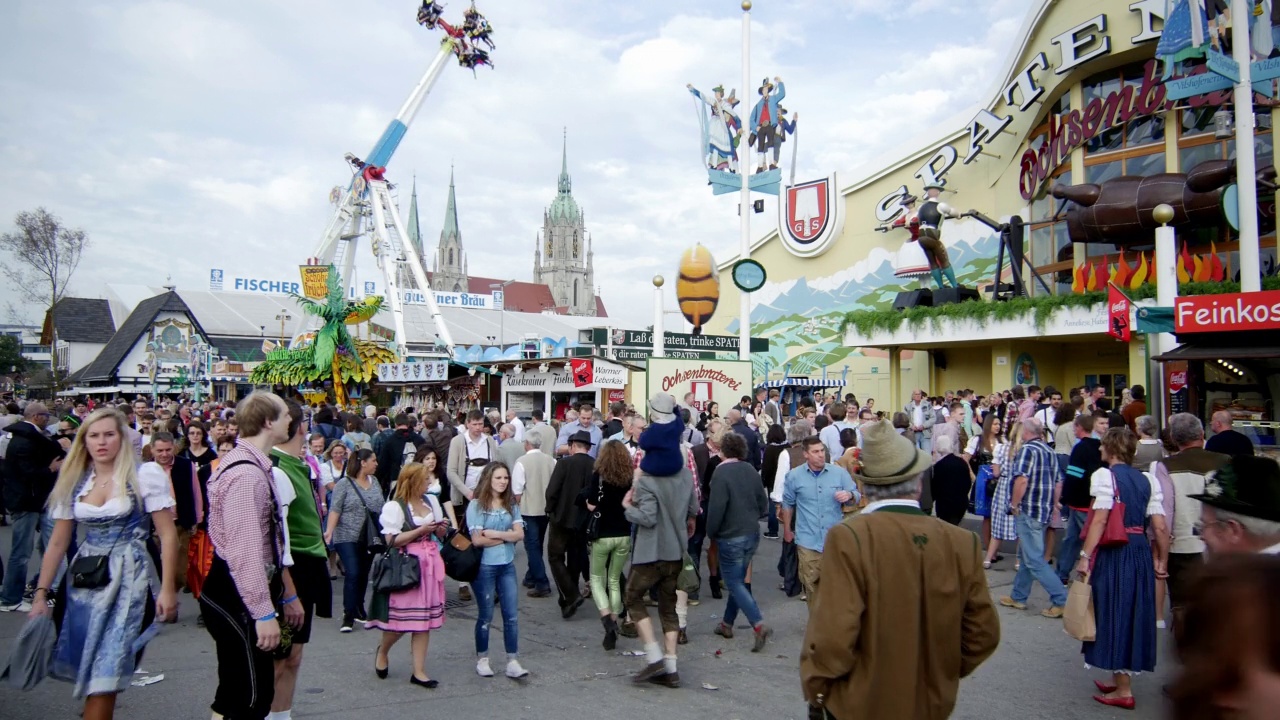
point(671, 680)
point(567, 611)
point(628, 630)
point(428, 684)
point(610, 632)
point(716, 588)
point(682, 638)
point(651, 670)
point(536, 593)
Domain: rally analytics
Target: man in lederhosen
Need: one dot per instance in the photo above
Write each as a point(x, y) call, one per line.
point(931, 214)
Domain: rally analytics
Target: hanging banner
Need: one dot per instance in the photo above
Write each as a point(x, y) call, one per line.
point(1118, 307)
point(315, 281)
point(408, 372)
point(581, 369)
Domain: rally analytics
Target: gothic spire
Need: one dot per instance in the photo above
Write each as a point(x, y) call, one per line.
point(565, 186)
point(451, 214)
point(414, 230)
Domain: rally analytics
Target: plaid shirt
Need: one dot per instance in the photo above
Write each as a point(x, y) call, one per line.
point(241, 500)
point(1037, 462)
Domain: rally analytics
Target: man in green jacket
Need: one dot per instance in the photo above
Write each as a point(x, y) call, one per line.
point(307, 591)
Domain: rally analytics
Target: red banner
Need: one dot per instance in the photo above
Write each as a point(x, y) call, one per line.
point(1218, 313)
point(582, 372)
point(1118, 307)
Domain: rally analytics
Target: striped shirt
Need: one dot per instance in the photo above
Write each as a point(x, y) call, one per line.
point(241, 500)
point(1037, 462)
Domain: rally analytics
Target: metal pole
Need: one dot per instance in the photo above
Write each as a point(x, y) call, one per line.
point(1166, 262)
point(1250, 271)
point(658, 339)
point(744, 203)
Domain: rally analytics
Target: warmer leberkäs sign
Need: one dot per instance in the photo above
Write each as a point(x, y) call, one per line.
point(720, 381)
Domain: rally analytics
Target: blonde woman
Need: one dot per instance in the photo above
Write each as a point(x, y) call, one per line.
point(1002, 525)
point(413, 520)
point(101, 490)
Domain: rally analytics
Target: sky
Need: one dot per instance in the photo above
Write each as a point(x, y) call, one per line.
point(184, 136)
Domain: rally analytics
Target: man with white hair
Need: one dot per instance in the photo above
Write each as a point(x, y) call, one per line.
point(529, 478)
point(1227, 440)
point(1035, 474)
point(1182, 476)
point(902, 610)
point(517, 425)
point(509, 448)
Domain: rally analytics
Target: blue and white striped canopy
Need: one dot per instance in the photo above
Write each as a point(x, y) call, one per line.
point(803, 382)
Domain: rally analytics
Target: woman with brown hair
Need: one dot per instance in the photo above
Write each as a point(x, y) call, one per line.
point(980, 452)
point(413, 519)
point(611, 544)
point(1231, 648)
point(196, 445)
point(496, 526)
point(355, 496)
point(1002, 525)
point(1123, 576)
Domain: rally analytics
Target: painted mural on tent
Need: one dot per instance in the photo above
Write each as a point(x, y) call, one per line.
point(802, 317)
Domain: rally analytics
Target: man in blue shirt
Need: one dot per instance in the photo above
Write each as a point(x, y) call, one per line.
point(586, 417)
point(816, 493)
point(1035, 472)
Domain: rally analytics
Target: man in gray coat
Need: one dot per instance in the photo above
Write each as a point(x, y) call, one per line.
point(662, 504)
point(922, 418)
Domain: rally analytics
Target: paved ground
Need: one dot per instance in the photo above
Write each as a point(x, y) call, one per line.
point(1037, 671)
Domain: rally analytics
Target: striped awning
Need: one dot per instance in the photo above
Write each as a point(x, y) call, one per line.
point(802, 382)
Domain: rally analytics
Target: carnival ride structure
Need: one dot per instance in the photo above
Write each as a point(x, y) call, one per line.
point(365, 208)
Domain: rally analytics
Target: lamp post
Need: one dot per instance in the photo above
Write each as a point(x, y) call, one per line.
point(502, 316)
point(658, 341)
point(283, 316)
point(1246, 182)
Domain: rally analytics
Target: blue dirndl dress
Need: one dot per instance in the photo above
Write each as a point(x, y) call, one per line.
point(105, 629)
point(1124, 588)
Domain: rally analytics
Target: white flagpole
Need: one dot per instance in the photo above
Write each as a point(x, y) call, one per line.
point(1246, 186)
point(744, 205)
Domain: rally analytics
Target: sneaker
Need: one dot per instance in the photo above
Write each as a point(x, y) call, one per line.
point(464, 593)
point(1011, 603)
point(29, 592)
point(482, 667)
point(22, 607)
point(767, 536)
point(724, 631)
point(762, 636)
point(348, 621)
point(694, 600)
point(514, 669)
point(1053, 613)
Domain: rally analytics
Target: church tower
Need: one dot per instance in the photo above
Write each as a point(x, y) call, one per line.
point(562, 258)
point(414, 229)
point(449, 272)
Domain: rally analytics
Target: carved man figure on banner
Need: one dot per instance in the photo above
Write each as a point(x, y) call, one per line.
point(721, 128)
point(764, 121)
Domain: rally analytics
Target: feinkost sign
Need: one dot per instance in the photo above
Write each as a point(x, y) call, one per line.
point(1222, 313)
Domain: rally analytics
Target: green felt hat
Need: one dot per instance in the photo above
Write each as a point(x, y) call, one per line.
point(1247, 485)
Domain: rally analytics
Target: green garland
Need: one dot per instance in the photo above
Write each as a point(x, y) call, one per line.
point(1041, 308)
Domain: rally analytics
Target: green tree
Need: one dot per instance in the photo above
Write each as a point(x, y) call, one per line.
point(43, 255)
point(11, 359)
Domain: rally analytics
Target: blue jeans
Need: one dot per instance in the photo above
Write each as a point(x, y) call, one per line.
point(355, 577)
point(924, 443)
point(735, 558)
point(535, 533)
point(26, 525)
point(1069, 549)
point(773, 518)
point(1034, 566)
point(500, 579)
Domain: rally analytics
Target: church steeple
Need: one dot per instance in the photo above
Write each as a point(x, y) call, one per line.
point(414, 229)
point(451, 262)
point(563, 258)
point(565, 185)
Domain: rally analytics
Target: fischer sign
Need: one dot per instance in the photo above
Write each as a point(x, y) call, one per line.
point(1219, 313)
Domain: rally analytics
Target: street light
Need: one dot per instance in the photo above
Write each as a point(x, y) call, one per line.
point(283, 316)
point(502, 317)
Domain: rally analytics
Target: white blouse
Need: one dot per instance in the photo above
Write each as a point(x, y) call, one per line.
point(1101, 489)
point(153, 484)
point(392, 517)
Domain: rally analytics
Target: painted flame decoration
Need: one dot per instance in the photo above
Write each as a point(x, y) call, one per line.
point(1092, 276)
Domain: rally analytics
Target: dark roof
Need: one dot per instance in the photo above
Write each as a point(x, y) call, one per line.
point(103, 368)
point(238, 349)
point(79, 320)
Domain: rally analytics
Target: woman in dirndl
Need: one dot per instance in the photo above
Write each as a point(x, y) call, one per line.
point(1123, 576)
point(105, 628)
point(420, 609)
point(1002, 523)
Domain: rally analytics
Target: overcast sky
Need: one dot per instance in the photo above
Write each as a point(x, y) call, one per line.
point(184, 136)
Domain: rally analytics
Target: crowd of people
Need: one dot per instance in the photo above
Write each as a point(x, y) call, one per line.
point(257, 509)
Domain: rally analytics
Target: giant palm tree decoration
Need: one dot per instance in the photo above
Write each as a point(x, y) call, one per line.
point(333, 354)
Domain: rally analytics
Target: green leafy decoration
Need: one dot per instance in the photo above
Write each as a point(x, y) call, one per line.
point(1040, 308)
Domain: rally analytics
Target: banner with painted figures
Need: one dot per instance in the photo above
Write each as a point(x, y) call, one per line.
point(409, 372)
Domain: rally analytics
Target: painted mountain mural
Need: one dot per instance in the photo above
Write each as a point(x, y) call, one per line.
point(802, 317)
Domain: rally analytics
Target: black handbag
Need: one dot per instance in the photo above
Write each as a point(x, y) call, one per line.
point(397, 569)
point(90, 572)
point(370, 533)
point(461, 557)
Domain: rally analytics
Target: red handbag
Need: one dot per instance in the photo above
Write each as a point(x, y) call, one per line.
point(1114, 533)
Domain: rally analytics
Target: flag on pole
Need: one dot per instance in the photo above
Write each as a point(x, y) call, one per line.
point(1118, 307)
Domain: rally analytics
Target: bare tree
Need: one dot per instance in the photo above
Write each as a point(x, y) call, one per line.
point(44, 257)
